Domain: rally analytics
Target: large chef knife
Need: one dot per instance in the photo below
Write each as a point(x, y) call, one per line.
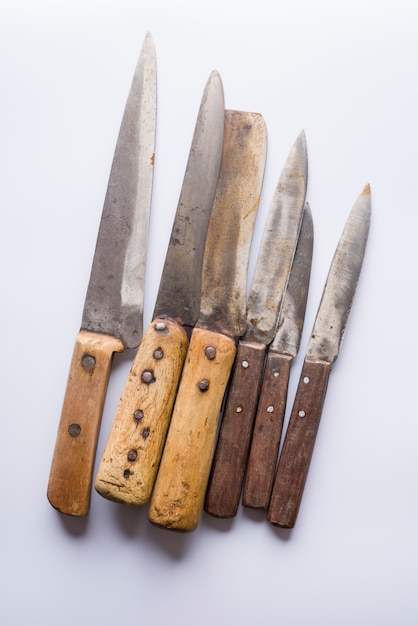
point(264, 303)
point(323, 349)
point(271, 405)
point(112, 316)
point(178, 496)
point(134, 446)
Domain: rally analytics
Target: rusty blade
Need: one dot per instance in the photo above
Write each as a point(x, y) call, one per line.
point(229, 236)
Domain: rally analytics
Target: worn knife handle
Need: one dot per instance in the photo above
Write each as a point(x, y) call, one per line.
point(179, 491)
point(267, 433)
point(231, 454)
point(134, 446)
point(298, 445)
point(71, 476)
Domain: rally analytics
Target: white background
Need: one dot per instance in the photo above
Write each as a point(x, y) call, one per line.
point(345, 72)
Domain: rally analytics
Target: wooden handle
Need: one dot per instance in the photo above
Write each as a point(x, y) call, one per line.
point(71, 476)
point(228, 468)
point(267, 432)
point(298, 446)
point(177, 500)
point(133, 450)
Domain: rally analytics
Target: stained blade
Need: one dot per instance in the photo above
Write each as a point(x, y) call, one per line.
point(229, 235)
point(114, 300)
point(341, 284)
point(292, 314)
point(180, 287)
point(278, 246)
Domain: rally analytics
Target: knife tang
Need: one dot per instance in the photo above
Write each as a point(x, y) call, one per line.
point(267, 432)
point(71, 473)
point(134, 446)
point(298, 445)
point(225, 482)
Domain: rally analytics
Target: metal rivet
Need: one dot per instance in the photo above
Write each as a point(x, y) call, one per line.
point(126, 473)
point(301, 413)
point(245, 363)
point(158, 354)
point(210, 352)
point(132, 454)
point(276, 374)
point(306, 380)
point(145, 433)
point(238, 409)
point(148, 377)
point(138, 415)
point(160, 327)
point(74, 430)
point(203, 384)
point(88, 362)
point(270, 409)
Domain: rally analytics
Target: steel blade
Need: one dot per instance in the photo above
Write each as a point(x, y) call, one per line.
point(225, 263)
point(341, 284)
point(292, 314)
point(114, 300)
point(180, 286)
point(278, 246)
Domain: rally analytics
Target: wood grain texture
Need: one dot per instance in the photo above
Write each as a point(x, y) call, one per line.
point(134, 446)
point(299, 443)
point(71, 475)
point(230, 460)
point(178, 496)
point(267, 432)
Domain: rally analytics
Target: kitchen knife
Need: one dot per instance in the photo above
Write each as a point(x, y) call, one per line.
point(178, 496)
point(271, 406)
point(323, 349)
point(264, 303)
point(113, 309)
point(134, 446)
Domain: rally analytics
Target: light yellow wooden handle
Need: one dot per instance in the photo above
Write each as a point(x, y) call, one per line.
point(133, 450)
point(71, 476)
point(178, 497)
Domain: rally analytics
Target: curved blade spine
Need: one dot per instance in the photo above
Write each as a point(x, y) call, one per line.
point(114, 300)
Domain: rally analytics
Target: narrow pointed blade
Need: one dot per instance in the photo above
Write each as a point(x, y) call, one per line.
point(225, 264)
point(114, 300)
point(337, 298)
point(180, 286)
point(278, 246)
point(292, 314)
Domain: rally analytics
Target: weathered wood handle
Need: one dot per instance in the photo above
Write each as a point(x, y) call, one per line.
point(71, 475)
point(298, 445)
point(179, 491)
point(230, 460)
point(267, 433)
point(134, 446)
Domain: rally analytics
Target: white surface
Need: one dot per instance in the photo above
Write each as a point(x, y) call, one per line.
point(345, 72)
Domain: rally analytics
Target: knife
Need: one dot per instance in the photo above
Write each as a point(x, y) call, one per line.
point(134, 446)
point(271, 406)
point(323, 349)
point(113, 309)
point(178, 496)
point(268, 286)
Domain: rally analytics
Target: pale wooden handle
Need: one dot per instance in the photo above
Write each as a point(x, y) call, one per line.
point(179, 492)
point(71, 476)
point(133, 450)
point(298, 445)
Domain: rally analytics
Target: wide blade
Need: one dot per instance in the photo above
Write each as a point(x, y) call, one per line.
point(230, 230)
point(337, 298)
point(278, 246)
point(292, 314)
point(114, 301)
point(180, 287)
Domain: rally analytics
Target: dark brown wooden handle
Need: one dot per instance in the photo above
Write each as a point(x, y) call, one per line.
point(298, 445)
point(267, 433)
point(135, 442)
point(71, 476)
point(228, 468)
point(179, 491)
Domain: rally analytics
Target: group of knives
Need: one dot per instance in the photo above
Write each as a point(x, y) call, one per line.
point(200, 419)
